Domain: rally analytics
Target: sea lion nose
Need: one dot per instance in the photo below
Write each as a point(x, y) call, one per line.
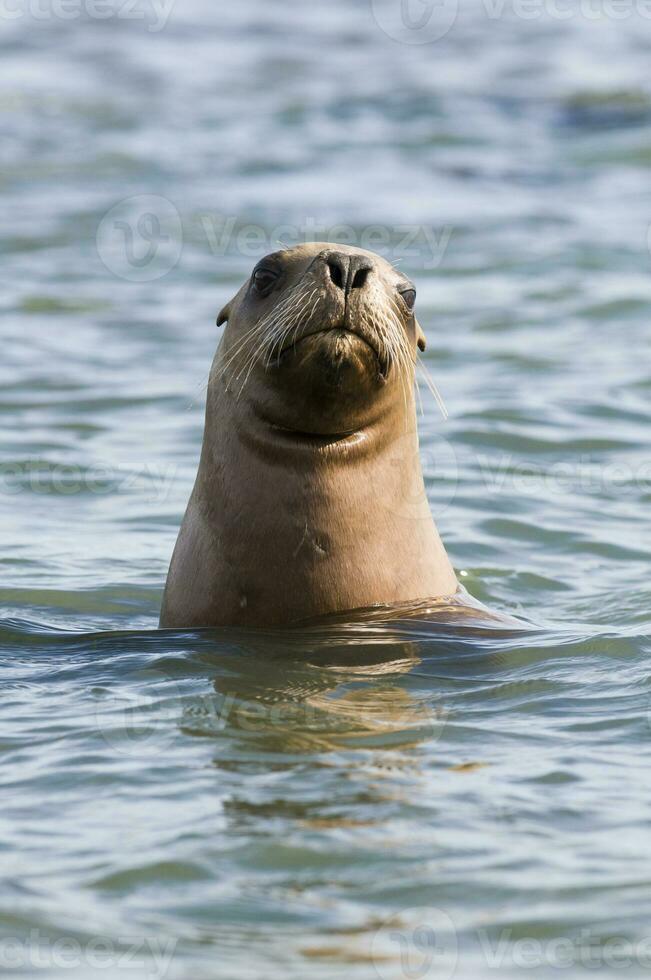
point(348, 272)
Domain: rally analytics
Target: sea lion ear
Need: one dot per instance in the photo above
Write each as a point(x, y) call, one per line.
point(224, 314)
point(420, 337)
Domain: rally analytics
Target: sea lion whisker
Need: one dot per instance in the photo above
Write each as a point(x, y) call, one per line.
point(256, 343)
point(246, 356)
point(250, 340)
point(229, 355)
point(315, 303)
point(391, 331)
point(279, 342)
point(304, 321)
point(431, 384)
point(240, 345)
point(275, 329)
point(251, 364)
point(404, 375)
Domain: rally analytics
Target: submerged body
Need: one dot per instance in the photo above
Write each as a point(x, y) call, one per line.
point(309, 498)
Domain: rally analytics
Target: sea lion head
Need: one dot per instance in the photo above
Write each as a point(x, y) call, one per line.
point(321, 340)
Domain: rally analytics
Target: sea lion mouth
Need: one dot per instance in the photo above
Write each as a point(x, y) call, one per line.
point(342, 332)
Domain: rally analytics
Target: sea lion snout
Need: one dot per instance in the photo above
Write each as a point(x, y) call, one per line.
point(348, 271)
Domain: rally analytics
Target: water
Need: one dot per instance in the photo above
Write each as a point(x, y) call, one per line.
point(394, 799)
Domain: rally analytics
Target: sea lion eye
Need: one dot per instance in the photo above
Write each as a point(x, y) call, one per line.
point(409, 296)
point(264, 280)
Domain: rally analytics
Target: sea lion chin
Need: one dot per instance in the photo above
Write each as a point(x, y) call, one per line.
point(310, 444)
point(334, 376)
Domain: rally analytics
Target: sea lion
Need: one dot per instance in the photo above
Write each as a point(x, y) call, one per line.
point(310, 451)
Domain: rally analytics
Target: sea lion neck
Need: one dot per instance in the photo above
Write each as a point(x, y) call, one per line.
point(267, 439)
point(278, 532)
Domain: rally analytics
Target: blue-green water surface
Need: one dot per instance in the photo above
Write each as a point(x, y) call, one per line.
point(383, 799)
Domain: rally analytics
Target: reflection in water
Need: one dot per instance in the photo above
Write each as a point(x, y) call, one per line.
point(358, 709)
point(356, 701)
point(335, 684)
point(327, 710)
